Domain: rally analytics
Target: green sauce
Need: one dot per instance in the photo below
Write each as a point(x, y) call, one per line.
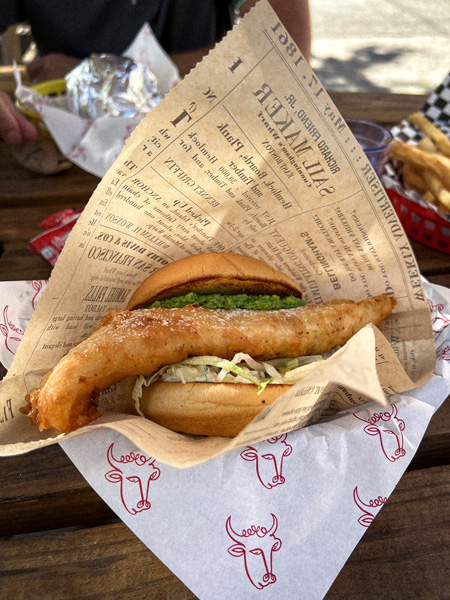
point(257, 302)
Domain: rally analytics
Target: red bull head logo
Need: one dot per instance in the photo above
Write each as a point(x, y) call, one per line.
point(268, 457)
point(38, 287)
point(389, 429)
point(256, 545)
point(445, 354)
point(12, 334)
point(133, 472)
point(9, 328)
point(367, 508)
point(438, 319)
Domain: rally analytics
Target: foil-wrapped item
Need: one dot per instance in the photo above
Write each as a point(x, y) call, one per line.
point(109, 85)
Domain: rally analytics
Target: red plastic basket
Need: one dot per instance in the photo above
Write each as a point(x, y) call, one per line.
point(422, 224)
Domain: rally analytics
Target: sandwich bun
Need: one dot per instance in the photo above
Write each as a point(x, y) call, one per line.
point(201, 408)
point(213, 273)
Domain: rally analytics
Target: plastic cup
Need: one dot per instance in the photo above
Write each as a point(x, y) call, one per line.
point(374, 139)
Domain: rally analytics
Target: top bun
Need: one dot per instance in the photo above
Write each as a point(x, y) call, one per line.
point(213, 273)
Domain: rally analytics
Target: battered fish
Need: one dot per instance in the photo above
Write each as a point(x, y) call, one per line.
point(141, 341)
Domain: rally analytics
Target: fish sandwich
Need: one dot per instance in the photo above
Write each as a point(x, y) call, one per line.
point(220, 394)
point(211, 340)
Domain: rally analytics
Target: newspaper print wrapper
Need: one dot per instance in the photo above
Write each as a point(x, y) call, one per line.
point(281, 495)
point(94, 144)
point(247, 155)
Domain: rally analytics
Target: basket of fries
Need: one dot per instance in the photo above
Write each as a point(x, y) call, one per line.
point(417, 178)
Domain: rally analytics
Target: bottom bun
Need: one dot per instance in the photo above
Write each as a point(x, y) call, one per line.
point(201, 408)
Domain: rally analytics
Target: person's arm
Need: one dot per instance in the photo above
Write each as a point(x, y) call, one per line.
point(185, 61)
point(51, 66)
point(295, 16)
point(14, 126)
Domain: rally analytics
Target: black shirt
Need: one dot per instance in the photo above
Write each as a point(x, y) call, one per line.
point(81, 27)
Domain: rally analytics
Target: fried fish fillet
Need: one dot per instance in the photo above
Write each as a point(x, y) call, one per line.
point(141, 341)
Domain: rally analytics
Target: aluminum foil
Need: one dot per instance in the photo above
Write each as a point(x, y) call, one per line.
point(109, 85)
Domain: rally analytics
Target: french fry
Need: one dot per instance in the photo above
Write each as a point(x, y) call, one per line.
point(426, 167)
point(429, 197)
point(427, 144)
point(438, 165)
point(413, 178)
point(442, 208)
point(430, 130)
point(439, 192)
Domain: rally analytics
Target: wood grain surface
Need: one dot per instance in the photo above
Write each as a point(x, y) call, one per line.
point(108, 561)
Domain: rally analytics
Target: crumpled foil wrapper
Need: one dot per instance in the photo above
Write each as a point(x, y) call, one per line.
point(109, 85)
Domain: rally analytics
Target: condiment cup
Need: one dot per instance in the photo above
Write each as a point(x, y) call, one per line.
point(374, 139)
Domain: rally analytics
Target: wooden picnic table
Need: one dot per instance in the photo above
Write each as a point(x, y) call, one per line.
point(60, 540)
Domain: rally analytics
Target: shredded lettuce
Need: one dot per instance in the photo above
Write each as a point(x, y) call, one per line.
point(241, 369)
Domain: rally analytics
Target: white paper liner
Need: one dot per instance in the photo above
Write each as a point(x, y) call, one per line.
point(309, 495)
